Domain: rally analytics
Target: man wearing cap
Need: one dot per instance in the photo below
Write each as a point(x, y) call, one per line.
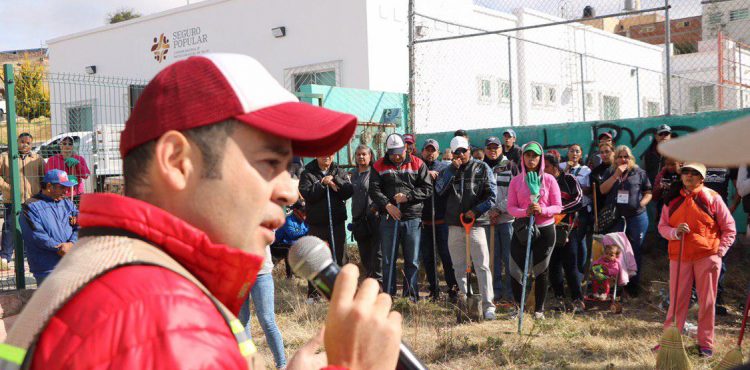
point(652, 160)
point(430, 152)
point(206, 182)
point(503, 171)
point(594, 159)
point(399, 185)
point(471, 191)
point(510, 149)
point(31, 169)
point(49, 224)
point(410, 144)
point(325, 187)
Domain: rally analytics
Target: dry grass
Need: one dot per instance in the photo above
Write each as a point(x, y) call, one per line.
point(594, 340)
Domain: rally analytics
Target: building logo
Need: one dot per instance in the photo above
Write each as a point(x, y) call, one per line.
point(160, 48)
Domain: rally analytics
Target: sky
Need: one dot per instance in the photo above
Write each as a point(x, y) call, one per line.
point(28, 24)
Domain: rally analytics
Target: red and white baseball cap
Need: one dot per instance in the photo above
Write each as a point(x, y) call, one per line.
point(211, 88)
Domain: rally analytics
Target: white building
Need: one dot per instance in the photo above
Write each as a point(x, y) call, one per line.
point(717, 75)
point(476, 82)
point(471, 83)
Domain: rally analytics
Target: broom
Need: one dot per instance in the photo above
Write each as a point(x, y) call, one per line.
point(672, 355)
point(734, 357)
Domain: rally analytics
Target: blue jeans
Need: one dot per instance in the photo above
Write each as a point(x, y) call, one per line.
point(636, 232)
point(564, 262)
point(407, 233)
point(503, 235)
point(6, 242)
point(263, 298)
point(428, 257)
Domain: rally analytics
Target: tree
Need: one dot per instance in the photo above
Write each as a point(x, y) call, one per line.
point(32, 93)
point(121, 15)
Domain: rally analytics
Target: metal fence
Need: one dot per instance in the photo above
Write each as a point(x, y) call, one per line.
point(493, 63)
point(56, 109)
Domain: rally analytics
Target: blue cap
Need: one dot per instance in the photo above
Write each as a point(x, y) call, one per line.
point(58, 177)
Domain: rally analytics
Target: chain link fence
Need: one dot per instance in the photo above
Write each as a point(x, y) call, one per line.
point(66, 116)
point(493, 63)
point(90, 111)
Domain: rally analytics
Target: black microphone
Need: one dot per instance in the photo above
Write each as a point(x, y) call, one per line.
point(311, 259)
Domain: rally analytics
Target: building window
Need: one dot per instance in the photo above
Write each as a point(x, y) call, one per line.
point(714, 18)
point(648, 29)
point(327, 74)
point(326, 78)
point(682, 24)
point(653, 109)
point(610, 107)
point(484, 89)
point(537, 95)
point(134, 92)
point(701, 97)
point(504, 93)
point(543, 95)
point(80, 118)
point(738, 14)
point(551, 95)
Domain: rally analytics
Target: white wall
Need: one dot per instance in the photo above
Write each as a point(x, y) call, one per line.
point(387, 45)
point(449, 72)
point(561, 69)
point(317, 31)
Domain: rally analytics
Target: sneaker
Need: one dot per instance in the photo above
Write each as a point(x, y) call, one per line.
point(310, 300)
point(452, 296)
point(4, 265)
point(489, 314)
point(559, 304)
point(538, 315)
point(706, 352)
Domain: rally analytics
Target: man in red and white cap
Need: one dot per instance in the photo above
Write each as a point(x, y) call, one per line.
point(205, 157)
point(410, 144)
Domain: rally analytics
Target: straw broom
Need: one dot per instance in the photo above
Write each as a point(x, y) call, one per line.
point(734, 357)
point(672, 355)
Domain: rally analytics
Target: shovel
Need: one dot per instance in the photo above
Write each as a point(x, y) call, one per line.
point(471, 307)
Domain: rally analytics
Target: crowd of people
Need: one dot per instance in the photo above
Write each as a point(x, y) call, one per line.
point(416, 203)
point(189, 245)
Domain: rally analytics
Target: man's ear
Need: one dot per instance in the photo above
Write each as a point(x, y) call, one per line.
point(174, 160)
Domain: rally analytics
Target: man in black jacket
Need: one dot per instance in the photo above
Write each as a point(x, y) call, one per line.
point(471, 190)
point(510, 149)
point(323, 184)
point(399, 184)
point(427, 248)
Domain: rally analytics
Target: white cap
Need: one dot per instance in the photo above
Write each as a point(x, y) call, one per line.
point(723, 145)
point(395, 144)
point(459, 142)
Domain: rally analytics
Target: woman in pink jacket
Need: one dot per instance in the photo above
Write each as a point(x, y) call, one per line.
point(697, 217)
point(533, 192)
point(72, 163)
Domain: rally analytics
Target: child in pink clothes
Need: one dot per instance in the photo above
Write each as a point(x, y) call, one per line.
point(605, 270)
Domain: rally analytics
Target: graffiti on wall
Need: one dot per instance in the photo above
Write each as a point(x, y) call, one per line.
point(623, 135)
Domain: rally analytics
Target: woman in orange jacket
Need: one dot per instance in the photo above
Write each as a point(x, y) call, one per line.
point(698, 215)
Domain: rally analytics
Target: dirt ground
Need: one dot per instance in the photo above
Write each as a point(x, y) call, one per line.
point(593, 340)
